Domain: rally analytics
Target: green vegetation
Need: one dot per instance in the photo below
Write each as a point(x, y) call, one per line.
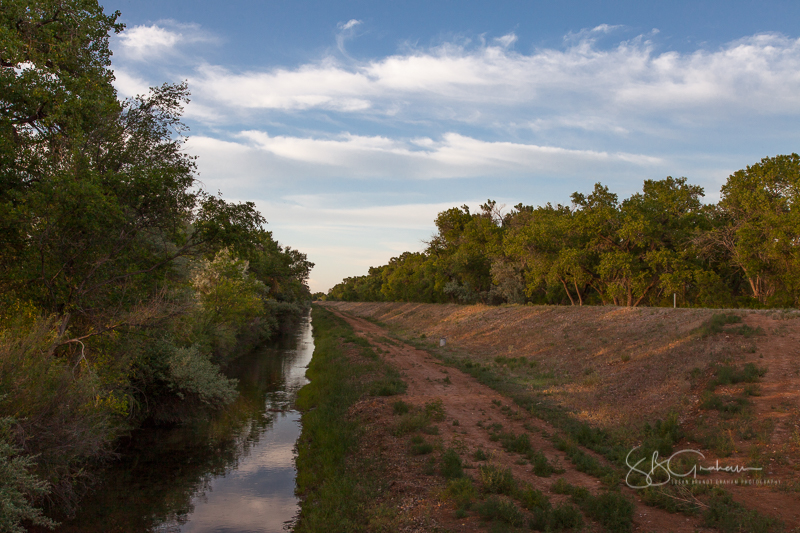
point(124, 287)
point(338, 486)
point(729, 516)
point(599, 250)
point(611, 509)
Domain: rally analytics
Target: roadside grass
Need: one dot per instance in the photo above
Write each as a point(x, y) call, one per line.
point(337, 487)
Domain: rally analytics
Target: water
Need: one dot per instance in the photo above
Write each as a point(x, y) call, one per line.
point(232, 474)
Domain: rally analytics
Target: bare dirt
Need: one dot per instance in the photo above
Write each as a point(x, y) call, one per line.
point(613, 367)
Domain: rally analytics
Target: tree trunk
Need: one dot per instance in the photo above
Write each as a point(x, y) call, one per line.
point(567, 291)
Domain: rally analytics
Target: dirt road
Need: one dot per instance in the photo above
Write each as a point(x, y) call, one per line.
point(474, 407)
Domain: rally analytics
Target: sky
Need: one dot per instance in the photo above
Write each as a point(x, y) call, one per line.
point(351, 124)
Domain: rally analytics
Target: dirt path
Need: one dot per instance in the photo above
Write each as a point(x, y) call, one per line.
point(475, 406)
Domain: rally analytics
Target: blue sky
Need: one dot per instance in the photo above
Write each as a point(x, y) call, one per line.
point(352, 124)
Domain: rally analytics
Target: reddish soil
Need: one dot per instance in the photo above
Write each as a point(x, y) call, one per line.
point(617, 368)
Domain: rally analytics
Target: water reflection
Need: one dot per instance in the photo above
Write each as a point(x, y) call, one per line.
point(233, 474)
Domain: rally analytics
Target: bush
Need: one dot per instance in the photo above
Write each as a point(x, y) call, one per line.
point(452, 467)
point(400, 407)
point(497, 481)
point(16, 483)
point(461, 491)
point(496, 508)
point(64, 415)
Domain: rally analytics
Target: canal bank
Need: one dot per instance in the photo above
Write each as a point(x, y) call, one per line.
point(234, 472)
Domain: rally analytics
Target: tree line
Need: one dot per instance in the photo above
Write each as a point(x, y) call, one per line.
point(659, 246)
point(124, 286)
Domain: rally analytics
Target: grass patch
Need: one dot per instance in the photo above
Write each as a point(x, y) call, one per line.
point(339, 488)
point(400, 407)
point(611, 509)
point(723, 403)
point(586, 463)
point(731, 375)
point(716, 324)
point(502, 509)
point(729, 516)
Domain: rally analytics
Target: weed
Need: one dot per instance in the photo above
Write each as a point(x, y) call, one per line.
point(724, 404)
point(430, 430)
point(729, 516)
point(672, 498)
point(541, 466)
point(388, 387)
point(564, 517)
point(496, 480)
point(752, 390)
point(715, 324)
point(611, 509)
point(504, 509)
point(452, 467)
point(456, 423)
point(479, 455)
point(730, 375)
point(435, 410)
point(410, 422)
point(420, 447)
point(400, 407)
point(461, 491)
point(514, 443)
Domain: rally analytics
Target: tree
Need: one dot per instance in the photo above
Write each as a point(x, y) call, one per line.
point(760, 206)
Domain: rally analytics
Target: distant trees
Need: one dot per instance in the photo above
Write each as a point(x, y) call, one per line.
point(745, 251)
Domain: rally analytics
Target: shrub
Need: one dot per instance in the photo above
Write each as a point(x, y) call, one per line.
point(461, 491)
point(400, 407)
point(497, 481)
point(16, 482)
point(452, 467)
point(496, 508)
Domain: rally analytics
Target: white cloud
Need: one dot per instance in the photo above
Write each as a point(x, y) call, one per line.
point(357, 156)
point(145, 43)
point(759, 74)
point(506, 40)
point(352, 23)
point(129, 85)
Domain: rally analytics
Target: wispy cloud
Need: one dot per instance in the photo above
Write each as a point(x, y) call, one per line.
point(149, 42)
point(346, 31)
point(377, 157)
point(756, 75)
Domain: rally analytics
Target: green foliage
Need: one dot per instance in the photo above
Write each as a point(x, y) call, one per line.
point(611, 509)
point(515, 443)
point(728, 516)
point(639, 251)
point(421, 448)
point(480, 455)
point(461, 491)
point(17, 483)
point(389, 386)
point(148, 283)
point(400, 407)
point(730, 375)
point(452, 467)
point(503, 509)
point(497, 480)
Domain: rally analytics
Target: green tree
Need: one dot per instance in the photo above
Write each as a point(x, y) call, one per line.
point(760, 208)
